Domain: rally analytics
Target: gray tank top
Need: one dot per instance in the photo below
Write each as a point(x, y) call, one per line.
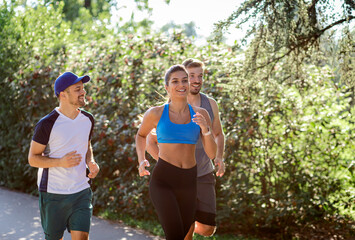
point(204, 164)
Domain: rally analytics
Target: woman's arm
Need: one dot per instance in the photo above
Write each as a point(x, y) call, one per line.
point(152, 145)
point(150, 119)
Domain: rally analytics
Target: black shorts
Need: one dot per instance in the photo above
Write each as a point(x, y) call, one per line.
point(206, 200)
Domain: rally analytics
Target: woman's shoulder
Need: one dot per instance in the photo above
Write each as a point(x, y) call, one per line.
point(155, 111)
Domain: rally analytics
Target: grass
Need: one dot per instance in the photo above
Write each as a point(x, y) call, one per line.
point(155, 228)
point(222, 237)
point(149, 226)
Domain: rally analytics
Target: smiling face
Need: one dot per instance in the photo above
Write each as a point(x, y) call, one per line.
point(75, 94)
point(195, 79)
point(178, 84)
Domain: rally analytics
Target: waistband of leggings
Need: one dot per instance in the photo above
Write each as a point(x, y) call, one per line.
point(171, 166)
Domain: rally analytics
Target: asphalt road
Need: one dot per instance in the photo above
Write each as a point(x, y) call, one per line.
point(20, 220)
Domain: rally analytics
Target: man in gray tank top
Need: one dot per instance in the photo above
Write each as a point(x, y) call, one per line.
point(205, 223)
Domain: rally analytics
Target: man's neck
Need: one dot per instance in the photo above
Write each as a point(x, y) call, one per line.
point(194, 99)
point(69, 111)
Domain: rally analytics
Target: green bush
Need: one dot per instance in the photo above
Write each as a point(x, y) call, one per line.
point(127, 77)
point(289, 149)
point(288, 152)
point(28, 44)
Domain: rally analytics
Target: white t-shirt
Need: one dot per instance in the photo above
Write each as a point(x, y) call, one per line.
point(62, 135)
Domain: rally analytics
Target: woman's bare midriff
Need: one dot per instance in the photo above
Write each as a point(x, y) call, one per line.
point(178, 154)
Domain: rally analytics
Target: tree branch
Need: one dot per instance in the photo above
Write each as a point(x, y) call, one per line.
point(306, 40)
point(349, 18)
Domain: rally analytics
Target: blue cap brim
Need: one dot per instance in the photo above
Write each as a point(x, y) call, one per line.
point(84, 79)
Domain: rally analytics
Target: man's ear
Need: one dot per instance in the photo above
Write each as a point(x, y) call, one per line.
point(62, 95)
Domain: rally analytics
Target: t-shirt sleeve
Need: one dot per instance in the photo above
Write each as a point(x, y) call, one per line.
point(92, 126)
point(42, 132)
point(91, 117)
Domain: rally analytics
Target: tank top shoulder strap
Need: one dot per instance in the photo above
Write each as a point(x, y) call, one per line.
point(192, 112)
point(205, 103)
point(165, 115)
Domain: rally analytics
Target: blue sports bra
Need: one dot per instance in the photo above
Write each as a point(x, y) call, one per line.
point(169, 132)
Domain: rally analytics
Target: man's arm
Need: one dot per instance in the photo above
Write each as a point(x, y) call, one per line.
point(92, 165)
point(36, 158)
point(219, 137)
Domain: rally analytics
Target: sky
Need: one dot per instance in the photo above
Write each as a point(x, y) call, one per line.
point(204, 13)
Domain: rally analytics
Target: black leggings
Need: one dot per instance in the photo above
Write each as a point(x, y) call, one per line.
point(173, 193)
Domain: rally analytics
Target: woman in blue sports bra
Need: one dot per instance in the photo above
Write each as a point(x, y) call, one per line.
point(172, 186)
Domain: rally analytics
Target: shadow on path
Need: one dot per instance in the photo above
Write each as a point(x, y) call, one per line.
point(20, 220)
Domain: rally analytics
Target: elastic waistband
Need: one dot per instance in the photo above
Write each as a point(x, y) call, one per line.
point(166, 173)
point(171, 166)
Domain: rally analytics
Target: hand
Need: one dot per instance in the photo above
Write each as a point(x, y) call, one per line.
point(141, 169)
point(221, 168)
point(94, 169)
point(71, 159)
point(200, 120)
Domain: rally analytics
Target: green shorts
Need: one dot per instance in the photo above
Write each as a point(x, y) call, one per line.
point(61, 211)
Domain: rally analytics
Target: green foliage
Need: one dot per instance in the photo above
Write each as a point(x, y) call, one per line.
point(25, 52)
point(289, 145)
point(189, 29)
point(288, 149)
point(127, 74)
point(290, 30)
point(293, 142)
point(72, 8)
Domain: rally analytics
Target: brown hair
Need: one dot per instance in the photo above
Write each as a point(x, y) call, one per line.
point(171, 70)
point(192, 63)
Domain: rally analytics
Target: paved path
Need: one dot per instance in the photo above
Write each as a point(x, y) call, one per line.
point(20, 220)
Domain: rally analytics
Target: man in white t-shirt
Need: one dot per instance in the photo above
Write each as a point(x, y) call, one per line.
point(61, 150)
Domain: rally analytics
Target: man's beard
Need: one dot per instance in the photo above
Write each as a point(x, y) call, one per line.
point(79, 103)
point(82, 104)
point(195, 92)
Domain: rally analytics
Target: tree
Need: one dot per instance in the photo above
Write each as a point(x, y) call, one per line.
point(96, 8)
point(277, 136)
point(188, 28)
point(72, 8)
point(290, 29)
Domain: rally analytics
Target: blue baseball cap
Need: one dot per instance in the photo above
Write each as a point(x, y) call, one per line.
point(67, 79)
